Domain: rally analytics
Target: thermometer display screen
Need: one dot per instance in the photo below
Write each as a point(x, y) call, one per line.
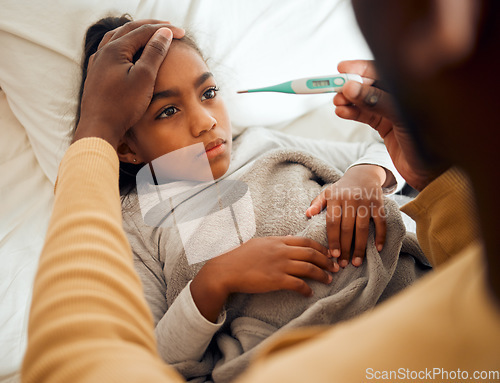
point(321, 83)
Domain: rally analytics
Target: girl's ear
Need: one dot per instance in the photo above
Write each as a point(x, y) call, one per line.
point(126, 154)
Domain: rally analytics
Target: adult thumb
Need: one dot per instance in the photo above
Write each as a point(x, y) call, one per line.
point(156, 49)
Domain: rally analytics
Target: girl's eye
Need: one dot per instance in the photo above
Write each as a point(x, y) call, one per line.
point(168, 112)
point(210, 93)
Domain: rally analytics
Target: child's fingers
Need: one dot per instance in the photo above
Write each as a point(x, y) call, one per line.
point(317, 205)
point(310, 271)
point(379, 219)
point(309, 258)
point(292, 283)
point(304, 242)
point(346, 233)
point(361, 237)
point(333, 222)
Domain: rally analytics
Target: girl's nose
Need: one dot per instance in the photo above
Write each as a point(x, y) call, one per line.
point(202, 121)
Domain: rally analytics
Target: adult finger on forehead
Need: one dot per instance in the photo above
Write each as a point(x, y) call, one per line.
point(124, 29)
point(132, 25)
point(139, 38)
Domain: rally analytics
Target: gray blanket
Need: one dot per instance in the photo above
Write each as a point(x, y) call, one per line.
point(282, 185)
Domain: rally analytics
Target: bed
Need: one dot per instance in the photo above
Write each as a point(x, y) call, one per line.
point(249, 44)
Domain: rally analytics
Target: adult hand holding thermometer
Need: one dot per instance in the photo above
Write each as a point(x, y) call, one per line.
point(310, 85)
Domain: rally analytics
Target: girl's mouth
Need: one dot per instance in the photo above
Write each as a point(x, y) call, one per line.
point(215, 148)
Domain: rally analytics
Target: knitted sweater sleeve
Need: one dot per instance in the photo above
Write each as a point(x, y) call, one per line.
point(89, 321)
point(446, 216)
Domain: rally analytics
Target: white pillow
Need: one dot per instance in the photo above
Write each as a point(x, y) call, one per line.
point(249, 44)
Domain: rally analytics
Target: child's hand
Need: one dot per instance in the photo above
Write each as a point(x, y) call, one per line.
point(258, 266)
point(350, 203)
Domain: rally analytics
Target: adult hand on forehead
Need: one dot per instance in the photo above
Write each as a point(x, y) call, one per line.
point(118, 91)
point(369, 104)
point(132, 25)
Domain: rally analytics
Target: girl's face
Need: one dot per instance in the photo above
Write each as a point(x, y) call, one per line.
point(185, 110)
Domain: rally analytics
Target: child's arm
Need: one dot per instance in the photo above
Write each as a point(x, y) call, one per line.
point(350, 204)
point(185, 328)
point(344, 155)
point(182, 333)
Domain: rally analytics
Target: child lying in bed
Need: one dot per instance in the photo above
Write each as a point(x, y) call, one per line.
point(222, 242)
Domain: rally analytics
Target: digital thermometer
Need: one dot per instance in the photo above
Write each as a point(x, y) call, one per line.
point(309, 85)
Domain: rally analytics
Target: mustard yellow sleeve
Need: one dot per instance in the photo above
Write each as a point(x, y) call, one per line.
point(445, 215)
point(89, 321)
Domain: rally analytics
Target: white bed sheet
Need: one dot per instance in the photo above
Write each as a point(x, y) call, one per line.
point(25, 204)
